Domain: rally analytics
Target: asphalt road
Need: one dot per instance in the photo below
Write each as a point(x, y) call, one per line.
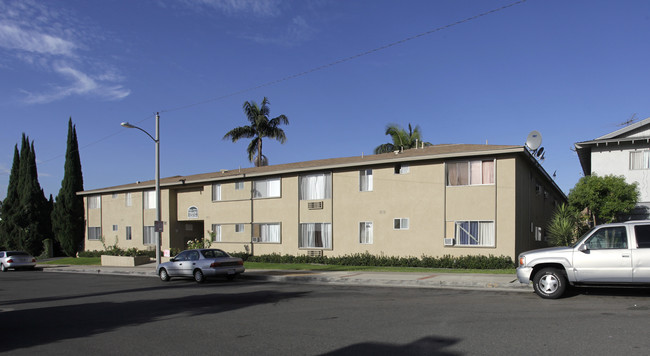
point(75, 314)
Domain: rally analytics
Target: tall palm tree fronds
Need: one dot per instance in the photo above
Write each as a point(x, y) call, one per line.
point(401, 139)
point(260, 126)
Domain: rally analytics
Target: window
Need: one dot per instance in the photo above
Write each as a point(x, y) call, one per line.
point(365, 232)
point(640, 159)
point(239, 227)
point(94, 233)
point(365, 180)
point(149, 199)
point(401, 223)
point(267, 188)
point(475, 233)
point(128, 199)
point(149, 235)
point(114, 227)
point(128, 233)
point(216, 192)
point(315, 235)
point(239, 185)
point(401, 168)
point(608, 238)
point(267, 232)
point(115, 195)
point(642, 233)
point(470, 173)
point(94, 202)
point(216, 233)
point(316, 186)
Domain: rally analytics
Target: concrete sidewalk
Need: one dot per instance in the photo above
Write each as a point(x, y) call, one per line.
point(500, 282)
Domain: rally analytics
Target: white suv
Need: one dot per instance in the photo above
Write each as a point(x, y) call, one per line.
point(610, 254)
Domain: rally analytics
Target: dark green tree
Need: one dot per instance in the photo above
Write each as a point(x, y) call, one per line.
point(606, 199)
point(10, 204)
point(260, 127)
point(33, 219)
point(401, 139)
point(68, 213)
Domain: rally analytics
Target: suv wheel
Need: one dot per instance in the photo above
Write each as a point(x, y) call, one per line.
point(549, 283)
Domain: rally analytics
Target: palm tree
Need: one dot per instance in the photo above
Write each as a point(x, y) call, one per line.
point(260, 126)
point(401, 139)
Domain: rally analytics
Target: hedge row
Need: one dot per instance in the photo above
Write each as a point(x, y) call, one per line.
point(116, 251)
point(366, 259)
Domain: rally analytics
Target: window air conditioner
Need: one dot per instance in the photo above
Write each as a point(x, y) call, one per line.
point(449, 242)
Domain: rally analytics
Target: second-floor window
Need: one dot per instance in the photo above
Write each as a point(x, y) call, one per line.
point(470, 172)
point(94, 202)
point(316, 186)
point(149, 199)
point(216, 192)
point(365, 180)
point(267, 188)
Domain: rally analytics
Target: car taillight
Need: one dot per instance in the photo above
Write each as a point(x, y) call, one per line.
point(33, 260)
point(241, 263)
point(10, 261)
point(215, 264)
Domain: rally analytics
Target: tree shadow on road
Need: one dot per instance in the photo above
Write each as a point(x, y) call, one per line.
point(425, 346)
point(43, 326)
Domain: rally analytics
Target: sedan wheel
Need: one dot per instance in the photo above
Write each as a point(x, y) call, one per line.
point(549, 283)
point(3, 268)
point(164, 276)
point(198, 276)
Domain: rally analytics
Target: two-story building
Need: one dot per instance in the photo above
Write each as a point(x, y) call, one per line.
point(624, 152)
point(453, 199)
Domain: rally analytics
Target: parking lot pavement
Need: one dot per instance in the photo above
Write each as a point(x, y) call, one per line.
point(501, 282)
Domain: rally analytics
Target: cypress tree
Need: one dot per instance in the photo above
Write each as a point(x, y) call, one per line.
point(68, 212)
point(33, 218)
point(8, 238)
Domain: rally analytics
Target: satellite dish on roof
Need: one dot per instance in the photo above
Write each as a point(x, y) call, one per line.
point(534, 140)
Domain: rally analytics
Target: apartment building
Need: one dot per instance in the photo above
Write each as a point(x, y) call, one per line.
point(454, 199)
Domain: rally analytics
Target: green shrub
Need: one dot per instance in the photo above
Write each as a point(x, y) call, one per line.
point(366, 259)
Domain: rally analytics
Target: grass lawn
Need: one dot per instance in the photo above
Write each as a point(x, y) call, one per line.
point(96, 261)
point(86, 261)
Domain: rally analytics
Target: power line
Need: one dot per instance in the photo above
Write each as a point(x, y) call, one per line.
point(347, 59)
point(309, 71)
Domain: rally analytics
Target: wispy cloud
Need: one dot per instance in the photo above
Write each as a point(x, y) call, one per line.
point(295, 32)
point(260, 8)
point(52, 40)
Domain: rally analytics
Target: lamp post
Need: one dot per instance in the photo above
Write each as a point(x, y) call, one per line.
point(157, 223)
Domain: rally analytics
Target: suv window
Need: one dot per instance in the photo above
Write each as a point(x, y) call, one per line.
point(642, 233)
point(608, 238)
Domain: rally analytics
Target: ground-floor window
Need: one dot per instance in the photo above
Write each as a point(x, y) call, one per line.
point(475, 233)
point(149, 235)
point(315, 235)
point(216, 233)
point(128, 233)
point(365, 232)
point(94, 233)
point(267, 232)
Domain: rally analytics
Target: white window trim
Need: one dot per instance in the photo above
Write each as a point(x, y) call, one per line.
point(404, 223)
point(216, 192)
point(367, 228)
point(366, 181)
point(491, 239)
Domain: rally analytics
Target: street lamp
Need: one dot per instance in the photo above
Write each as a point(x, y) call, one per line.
point(157, 224)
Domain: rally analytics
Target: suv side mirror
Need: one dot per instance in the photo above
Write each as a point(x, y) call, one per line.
point(583, 248)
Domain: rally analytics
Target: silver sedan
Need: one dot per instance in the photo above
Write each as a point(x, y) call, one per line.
point(16, 260)
point(201, 264)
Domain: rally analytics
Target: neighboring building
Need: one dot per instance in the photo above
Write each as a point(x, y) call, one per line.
point(434, 201)
point(625, 152)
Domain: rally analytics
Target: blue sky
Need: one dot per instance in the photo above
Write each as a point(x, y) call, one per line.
point(573, 70)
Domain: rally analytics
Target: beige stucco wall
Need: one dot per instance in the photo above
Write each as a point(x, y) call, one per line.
point(421, 195)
